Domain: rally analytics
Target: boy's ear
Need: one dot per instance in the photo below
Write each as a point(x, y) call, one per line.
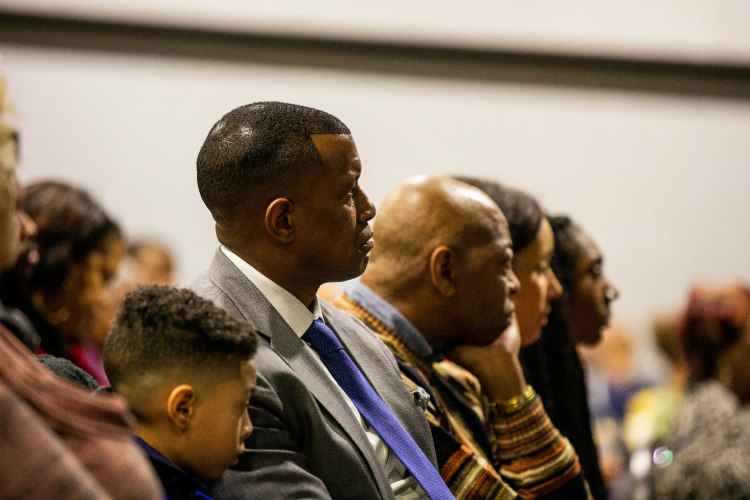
point(181, 405)
point(279, 222)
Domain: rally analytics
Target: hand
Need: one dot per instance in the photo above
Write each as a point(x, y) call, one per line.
point(495, 365)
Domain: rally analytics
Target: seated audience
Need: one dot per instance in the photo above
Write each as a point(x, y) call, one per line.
point(186, 369)
point(578, 316)
point(533, 246)
point(64, 291)
point(57, 440)
point(706, 453)
point(445, 286)
point(332, 418)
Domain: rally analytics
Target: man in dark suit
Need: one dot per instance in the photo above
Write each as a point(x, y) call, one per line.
point(281, 182)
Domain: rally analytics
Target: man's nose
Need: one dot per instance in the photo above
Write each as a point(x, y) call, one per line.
point(366, 209)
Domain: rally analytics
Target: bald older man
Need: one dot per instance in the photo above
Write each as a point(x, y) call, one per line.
point(440, 281)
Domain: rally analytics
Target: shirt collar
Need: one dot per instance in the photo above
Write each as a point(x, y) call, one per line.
point(295, 313)
point(393, 319)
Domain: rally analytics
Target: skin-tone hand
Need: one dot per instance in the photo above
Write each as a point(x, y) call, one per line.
point(495, 365)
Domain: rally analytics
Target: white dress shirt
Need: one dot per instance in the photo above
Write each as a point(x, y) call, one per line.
point(299, 318)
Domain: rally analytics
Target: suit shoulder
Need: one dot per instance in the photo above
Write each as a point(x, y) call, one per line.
point(364, 333)
point(337, 317)
point(204, 287)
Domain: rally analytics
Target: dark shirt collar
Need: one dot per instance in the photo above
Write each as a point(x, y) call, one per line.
point(178, 484)
point(394, 320)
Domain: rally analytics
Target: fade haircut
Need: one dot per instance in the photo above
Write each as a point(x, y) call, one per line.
point(522, 211)
point(163, 330)
point(258, 147)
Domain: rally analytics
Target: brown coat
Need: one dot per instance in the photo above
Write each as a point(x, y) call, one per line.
point(59, 441)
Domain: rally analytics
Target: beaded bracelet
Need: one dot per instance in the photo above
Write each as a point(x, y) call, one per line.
point(514, 404)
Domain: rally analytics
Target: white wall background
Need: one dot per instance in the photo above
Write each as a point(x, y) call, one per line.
point(661, 182)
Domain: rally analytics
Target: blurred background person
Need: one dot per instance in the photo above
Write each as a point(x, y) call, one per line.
point(146, 262)
point(56, 440)
point(63, 284)
point(611, 380)
point(16, 227)
point(706, 453)
point(650, 412)
point(153, 262)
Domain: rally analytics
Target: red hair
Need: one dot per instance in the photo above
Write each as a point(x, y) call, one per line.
point(714, 319)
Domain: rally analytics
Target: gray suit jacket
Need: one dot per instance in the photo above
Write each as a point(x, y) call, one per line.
point(306, 442)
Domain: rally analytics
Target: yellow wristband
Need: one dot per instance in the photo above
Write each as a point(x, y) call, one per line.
point(514, 404)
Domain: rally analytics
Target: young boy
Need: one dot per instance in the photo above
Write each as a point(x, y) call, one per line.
point(186, 369)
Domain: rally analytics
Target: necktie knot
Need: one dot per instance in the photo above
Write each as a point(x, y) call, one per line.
point(321, 338)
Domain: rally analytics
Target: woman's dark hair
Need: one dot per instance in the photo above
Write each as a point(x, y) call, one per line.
point(552, 366)
point(70, 226)
point(522, 211)
point(567, 249)
point(563, 264)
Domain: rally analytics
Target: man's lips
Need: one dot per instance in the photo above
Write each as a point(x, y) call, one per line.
point(366, 240)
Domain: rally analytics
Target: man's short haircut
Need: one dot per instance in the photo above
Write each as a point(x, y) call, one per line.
point(522, 211)
point(256, 147)
point(162, 330)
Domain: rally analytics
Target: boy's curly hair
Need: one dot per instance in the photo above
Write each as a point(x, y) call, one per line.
point(162, 329)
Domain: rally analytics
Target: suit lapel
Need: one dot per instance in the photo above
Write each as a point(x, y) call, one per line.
point(256, 309)
point(378, 371)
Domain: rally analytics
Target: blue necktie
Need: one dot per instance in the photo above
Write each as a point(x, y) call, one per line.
point(374, 410)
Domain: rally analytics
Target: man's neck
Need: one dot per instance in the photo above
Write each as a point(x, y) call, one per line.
point(411, 305)
point(278, 271)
